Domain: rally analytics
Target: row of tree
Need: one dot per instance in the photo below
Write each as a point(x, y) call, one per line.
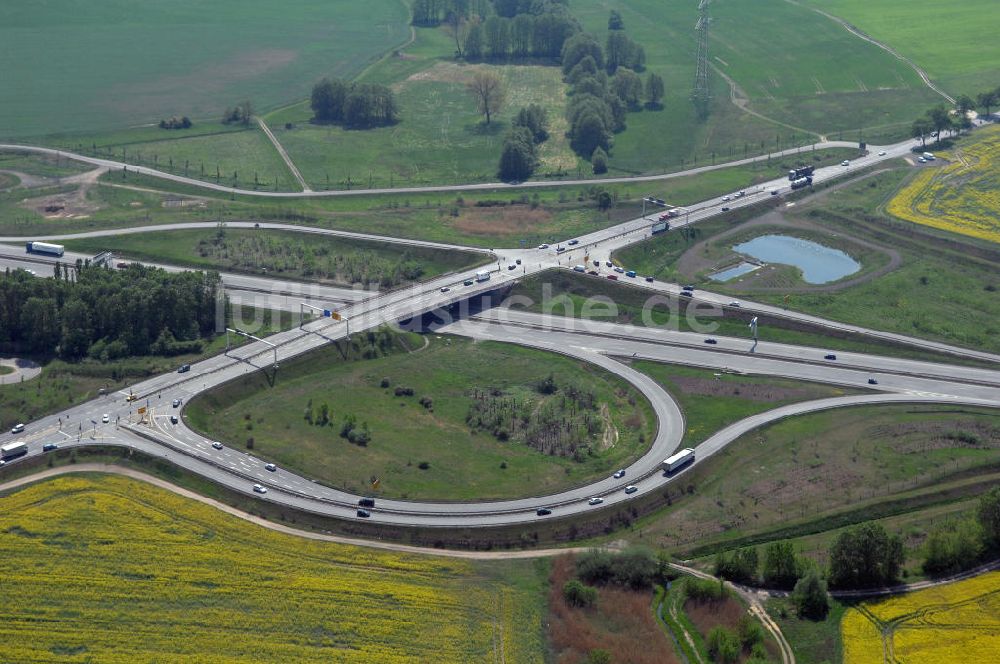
point(108, 314)
point(940, 119)
point(354, 105)
point(867, 556)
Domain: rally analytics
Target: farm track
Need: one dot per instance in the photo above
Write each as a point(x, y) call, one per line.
point(284, 155)
point(885, 47)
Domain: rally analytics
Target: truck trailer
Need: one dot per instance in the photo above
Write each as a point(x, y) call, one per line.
point(13, 450)
point(805, 171)
point(802, 182)
point(660, 227)
point(45, 248)
point(483, 275)
point(681, 458)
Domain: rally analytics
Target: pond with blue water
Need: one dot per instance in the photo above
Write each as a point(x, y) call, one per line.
point(819, 264)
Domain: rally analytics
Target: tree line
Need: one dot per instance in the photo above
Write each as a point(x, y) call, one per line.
point(867, 556)
point(104, 314)
point(501, 30)
point(940, 119)
point(353, 105)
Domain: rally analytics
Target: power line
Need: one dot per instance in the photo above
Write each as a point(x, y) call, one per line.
point(701, 95)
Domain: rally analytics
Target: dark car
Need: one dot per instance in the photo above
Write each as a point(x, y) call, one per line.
point(649, 280)
point(610, 264)
point(725, 208)
point(511, 267)
point(593, 273)
point(184, 368)
point(364, 514)
point(467, 282)
point(48, 447)
point(573, 243)
point(872, 381)
point(518, 261)
point(173, 419)
point(687, 293)
point(688, 287)
point(366, 502)
point(711, 341)
point(829, 356)
point(597, 263)
point(543, 511)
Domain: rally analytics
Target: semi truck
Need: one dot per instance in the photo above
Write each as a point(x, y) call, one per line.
point(45, 248)
point(483, 275)
point(13, 450)
point(681, 458)
point(802, 182)
point(805, 171)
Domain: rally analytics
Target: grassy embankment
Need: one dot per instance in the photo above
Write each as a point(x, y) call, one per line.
point(807, 476)
point(563, 293)
point(287, 255)
point(86, 551)
point(423, 444)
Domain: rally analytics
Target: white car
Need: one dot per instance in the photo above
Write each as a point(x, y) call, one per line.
point(845, 163)
point(725, 198)
point(445, 289)
point(595, 501)
point(543, 246)
point(631, 488)
point(735, 303)
point(105, 418)
point(271, 467)
point(881, 153)
point(257, 488)
point(217, 445)
point(922, 160)
point(619, 474)
point(18, 428)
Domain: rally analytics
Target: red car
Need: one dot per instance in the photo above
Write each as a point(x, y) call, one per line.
point(613, 277)
point(665, 216)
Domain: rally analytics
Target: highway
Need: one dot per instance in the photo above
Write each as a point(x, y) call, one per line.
point(898, 381)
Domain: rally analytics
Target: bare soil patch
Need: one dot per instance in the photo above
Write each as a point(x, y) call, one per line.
point(764, 393)
point(507, 220)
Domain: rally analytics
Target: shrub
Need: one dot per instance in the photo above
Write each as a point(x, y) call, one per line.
point(705, 590)
point(809, 596)
point(723, 645)
point(579, 595)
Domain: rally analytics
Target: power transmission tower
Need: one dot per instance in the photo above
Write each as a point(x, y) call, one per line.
point(701, 95)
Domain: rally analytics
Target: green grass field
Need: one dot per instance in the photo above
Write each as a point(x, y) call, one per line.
point(454, 373)
point(954, 44)
point(805, 70)
point(712, 401)
point(287, 255)
point(197, 584)
point(72, 67)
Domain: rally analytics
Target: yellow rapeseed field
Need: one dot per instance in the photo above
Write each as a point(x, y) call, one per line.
point(962, 196)
point(956, 622)
point(107, 569)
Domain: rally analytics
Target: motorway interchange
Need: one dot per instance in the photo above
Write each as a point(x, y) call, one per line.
point(889, 380)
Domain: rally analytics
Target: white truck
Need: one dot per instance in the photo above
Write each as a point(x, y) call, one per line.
point(483, 275)
point(12, 450)
point(45, 248)
point(677, 460)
